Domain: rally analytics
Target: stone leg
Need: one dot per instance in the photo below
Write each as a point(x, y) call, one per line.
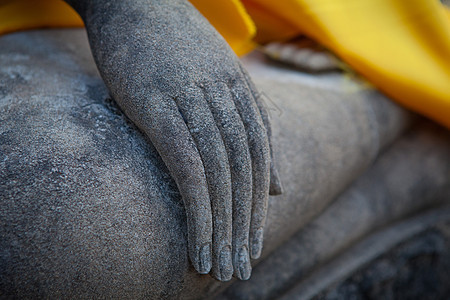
point(409, 181)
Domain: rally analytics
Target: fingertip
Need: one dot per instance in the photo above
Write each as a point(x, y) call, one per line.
point(225, 270)
point(243, 269)
point(276, 188)
point(202, 261)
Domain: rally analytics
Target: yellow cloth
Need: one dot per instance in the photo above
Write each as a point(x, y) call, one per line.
point(30, 14)
point(402, 47)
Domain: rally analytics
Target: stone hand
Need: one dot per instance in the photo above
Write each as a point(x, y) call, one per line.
point(179, 82)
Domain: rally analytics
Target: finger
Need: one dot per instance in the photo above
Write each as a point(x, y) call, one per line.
point(276, 187)
point(164, 125)
point(235, 139)
point(260, 155)
point(202, 126)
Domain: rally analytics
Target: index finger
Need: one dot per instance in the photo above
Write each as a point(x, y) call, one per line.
point(167, 130)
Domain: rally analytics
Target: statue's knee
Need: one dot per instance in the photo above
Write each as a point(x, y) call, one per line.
point(87, 205)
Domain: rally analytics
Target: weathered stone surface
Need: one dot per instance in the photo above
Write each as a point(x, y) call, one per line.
point(87, 205)
point(338, 130)
point(408, 178)
point(88, 208)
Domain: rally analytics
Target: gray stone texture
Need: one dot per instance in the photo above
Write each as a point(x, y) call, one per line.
point(409, 177)
point(88, 208)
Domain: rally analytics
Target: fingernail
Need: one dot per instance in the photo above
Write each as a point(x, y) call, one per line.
point(257, 241)
point(204, 259)
point(225, 264)
point(243, 264)
point(275, 184)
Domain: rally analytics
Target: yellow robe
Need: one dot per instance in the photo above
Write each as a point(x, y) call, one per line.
point(401, 47)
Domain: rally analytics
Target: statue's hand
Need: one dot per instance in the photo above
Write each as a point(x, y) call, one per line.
point(181, 84)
